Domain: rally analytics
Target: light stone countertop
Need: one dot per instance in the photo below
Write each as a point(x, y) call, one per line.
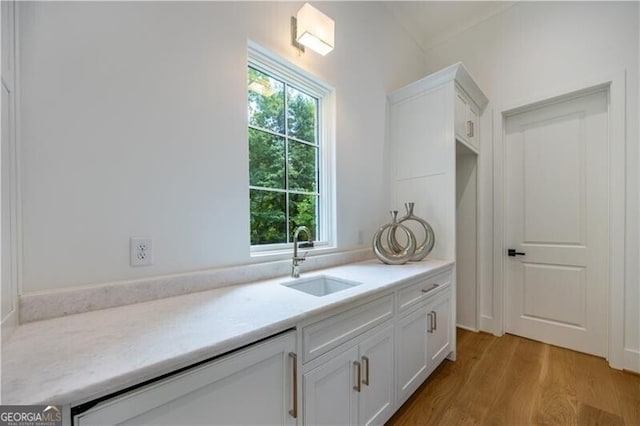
point(78, 358)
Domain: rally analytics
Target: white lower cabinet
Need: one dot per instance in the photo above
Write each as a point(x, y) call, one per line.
point(439, 330)
point(354, 387)
point(376, 395)
point(423, 342)
point(329, 397)
point(251, 386)
point(412, 359)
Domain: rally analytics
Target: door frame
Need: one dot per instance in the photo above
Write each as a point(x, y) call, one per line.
point(615, 84)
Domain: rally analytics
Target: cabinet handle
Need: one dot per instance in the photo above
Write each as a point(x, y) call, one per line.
point(358, 386)
point(470, 128)
point(430, 326)
point(294, 411)
point(435, 320)
point(365, 361)
point(433, 287)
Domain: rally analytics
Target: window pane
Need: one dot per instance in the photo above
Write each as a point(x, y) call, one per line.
point(301, 114)
point(268, 217)
point(303, 167)
point(266, 101)
point(303, 212)
point(266, 160)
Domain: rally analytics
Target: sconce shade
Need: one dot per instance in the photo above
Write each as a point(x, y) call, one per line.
point(315, 30)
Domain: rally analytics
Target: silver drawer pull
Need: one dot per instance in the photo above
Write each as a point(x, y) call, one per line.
point(429, 323)
point(294, 360)
point(433, 287)
point(357, 386)
point(365, 361)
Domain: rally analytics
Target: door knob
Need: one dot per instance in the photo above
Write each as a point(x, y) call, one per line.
point(513, 253)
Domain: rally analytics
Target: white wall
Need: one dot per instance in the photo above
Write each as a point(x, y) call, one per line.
point(133, 122)
point(533, 49)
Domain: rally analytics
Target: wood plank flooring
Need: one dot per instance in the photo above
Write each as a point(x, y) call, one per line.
point(514, 381)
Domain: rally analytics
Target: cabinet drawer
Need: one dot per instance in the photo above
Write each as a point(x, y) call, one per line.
point(322, 336)
point(258, 377)
point(419, 291)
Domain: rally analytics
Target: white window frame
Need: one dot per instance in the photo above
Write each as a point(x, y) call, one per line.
point(263, 60)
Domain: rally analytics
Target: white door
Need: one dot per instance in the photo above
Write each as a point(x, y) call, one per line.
point(556, 183)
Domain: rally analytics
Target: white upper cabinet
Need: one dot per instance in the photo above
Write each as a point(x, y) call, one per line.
point(425, 120)
point(466, 120)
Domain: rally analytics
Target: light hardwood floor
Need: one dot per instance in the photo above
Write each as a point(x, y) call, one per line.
point(513, 381)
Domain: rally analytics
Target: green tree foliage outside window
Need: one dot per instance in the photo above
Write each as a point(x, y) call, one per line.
point(283, 159)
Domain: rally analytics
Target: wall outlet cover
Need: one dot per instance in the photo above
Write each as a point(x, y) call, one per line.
point(140, 250)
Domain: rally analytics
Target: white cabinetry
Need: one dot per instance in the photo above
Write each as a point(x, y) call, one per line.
point(353, 382)
point(411, 354)
point(251, 386)
point(424, 333)
point(354, 387)
point(376, 394)
point(434, 143)
point(329, 397)
point(359, 363)
point(439, 330)
point(466, 120)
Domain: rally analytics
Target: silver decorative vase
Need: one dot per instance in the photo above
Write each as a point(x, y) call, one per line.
point(425, 247)
point(399, 254)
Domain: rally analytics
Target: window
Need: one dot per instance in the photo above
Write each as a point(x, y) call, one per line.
point(289, 153)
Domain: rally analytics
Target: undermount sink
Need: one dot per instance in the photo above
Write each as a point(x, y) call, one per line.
point(321, 285)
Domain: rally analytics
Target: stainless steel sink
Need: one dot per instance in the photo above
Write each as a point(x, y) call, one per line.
point(321, 285)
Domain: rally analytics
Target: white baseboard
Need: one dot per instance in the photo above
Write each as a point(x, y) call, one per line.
point(632, 360)
point(464, 327)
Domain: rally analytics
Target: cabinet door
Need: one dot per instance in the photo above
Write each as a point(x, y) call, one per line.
point(253, 386)
point(439, 338)
point(411, 353)
point(460, 119)
point(472, 126)
point(329, 394)
point(376, 395)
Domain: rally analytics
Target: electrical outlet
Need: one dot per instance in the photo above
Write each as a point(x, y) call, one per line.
point(140, 251)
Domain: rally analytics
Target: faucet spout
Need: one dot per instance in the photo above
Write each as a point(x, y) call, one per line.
point(297, 260)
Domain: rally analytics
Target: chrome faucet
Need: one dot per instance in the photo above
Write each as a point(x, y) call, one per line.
point(297, 260)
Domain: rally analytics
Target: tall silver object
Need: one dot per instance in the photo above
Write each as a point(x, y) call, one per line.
point(425, 246)
point(389, 255)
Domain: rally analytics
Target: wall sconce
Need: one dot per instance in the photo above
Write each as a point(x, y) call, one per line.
point(313, 29)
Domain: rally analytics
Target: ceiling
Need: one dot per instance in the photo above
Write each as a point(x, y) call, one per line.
point(431, 22)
